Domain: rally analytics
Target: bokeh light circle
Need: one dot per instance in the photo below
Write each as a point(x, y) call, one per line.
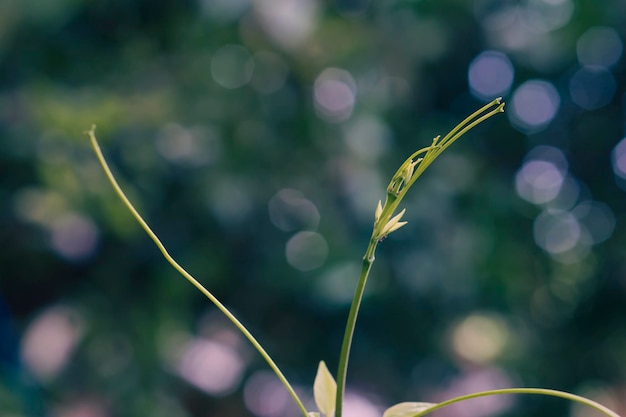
point(334, 92)
point(232, 66)
point(368, 137)
point(265, 395)
point(224, 10)
point(600, 46)
point(538, 182)
point(289, 210)
point(618, 159)
point(597, 218)
point(306, 251)
point(592, 87)
point(534, 105)
point(74, 236)
point(213, 367)
point(541, 16)
point(289, 23)
point(490, 75)
point(480, 338)
point(543, 175)
point(556, 231)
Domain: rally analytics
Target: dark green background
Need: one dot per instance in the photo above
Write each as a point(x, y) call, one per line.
point(141, 70)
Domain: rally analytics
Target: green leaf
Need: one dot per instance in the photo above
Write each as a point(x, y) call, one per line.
point(407, 409)
point(325, 390)
point(379, 211)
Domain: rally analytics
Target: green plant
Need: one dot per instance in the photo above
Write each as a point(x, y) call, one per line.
point(329, 394)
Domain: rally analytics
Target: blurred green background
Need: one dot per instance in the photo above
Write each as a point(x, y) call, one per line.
point(256, 137)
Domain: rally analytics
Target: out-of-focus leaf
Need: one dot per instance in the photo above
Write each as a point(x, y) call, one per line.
point(407, 409)
point(325, 389)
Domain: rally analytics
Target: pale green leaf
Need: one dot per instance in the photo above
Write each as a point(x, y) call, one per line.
point(396, 227)
point(379, 211)
point(391, 224)
point(325, 390)
point(313, 414)
point(407, 409)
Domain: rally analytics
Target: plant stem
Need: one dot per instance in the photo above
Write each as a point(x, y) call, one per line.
point(188, 276)
point(395, 193)
point(460, 129)
point(536, 391)
point(368, 260)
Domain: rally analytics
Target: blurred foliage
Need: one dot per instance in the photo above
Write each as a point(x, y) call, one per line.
point(256, 137)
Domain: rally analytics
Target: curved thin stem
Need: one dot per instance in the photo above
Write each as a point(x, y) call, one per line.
point(188, 276)
point(402, 180)
point(461, 129)
point(535, 391)
point(469, 118)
